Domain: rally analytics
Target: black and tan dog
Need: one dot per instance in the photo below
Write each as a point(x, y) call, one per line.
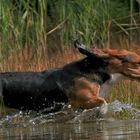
point(83, 83)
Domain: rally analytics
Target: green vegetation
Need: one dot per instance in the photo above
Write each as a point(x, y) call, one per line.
point(94, 20)
point(22, 26)
point(30, 23)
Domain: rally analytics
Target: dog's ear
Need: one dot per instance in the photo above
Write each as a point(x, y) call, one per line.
point(94, 52)
point(82, 49)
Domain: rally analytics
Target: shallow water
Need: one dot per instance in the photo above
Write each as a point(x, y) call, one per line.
point(115, 121)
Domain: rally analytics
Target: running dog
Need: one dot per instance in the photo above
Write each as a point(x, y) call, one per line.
point(83, 83)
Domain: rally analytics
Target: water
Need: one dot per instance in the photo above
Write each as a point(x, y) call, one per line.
point(115, 121)
point(98, 130)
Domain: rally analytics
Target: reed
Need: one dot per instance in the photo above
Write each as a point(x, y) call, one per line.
point(23, 25)
point(95, 21)
point(34, 24)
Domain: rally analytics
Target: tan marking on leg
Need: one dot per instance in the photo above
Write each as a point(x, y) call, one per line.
point(86, 94)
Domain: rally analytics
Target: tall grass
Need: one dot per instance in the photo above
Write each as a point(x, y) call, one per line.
point(95, 21)
point(22, 26)
point(36, 24)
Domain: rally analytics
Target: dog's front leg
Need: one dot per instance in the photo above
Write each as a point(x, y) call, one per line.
point(86, 95)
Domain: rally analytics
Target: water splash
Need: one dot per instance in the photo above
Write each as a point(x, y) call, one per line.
point(117, 106)
point(115, 110)
point(118, 110)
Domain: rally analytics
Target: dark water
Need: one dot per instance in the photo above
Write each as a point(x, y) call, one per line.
point(95, 124)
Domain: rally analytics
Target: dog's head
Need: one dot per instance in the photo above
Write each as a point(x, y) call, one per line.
point(123, 62)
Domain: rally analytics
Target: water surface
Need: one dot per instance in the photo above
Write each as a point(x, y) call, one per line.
point(116, 121)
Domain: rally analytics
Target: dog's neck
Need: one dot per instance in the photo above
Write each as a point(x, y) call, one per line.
point(106, 87)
